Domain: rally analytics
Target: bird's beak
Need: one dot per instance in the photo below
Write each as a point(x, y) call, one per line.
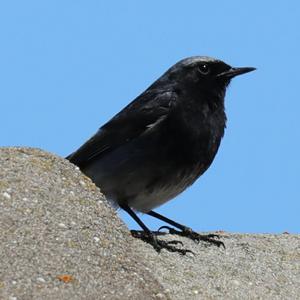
point(235, 72)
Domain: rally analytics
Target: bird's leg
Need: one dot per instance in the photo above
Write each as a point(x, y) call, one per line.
point(186, 231)
point(147, 236)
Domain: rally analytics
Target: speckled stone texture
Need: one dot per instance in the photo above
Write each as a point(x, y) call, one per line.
point(59, 239)
point(251, 267)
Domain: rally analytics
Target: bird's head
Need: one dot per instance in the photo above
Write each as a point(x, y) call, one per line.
point(203, 73)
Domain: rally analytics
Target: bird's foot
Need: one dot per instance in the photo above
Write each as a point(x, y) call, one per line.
point(157, 244)
point(189, 233)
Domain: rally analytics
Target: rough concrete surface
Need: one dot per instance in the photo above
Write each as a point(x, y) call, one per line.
point(59, 239)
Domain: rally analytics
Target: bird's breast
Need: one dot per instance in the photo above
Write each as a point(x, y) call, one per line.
point(193, 137)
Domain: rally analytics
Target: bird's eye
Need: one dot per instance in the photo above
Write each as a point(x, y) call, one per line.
point(204, 69)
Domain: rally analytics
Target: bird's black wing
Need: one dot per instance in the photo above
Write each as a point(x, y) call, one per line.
point(140, 115)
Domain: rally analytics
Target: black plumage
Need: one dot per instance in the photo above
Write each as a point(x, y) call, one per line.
point(161, 142)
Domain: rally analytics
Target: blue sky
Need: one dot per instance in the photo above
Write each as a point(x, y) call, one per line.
point(66, 67)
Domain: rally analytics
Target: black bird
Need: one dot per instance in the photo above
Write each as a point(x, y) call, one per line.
point(161, 142)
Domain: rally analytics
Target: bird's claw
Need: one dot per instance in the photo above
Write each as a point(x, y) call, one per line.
point(189, 233)
point(158, 245)
point(165, 227)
